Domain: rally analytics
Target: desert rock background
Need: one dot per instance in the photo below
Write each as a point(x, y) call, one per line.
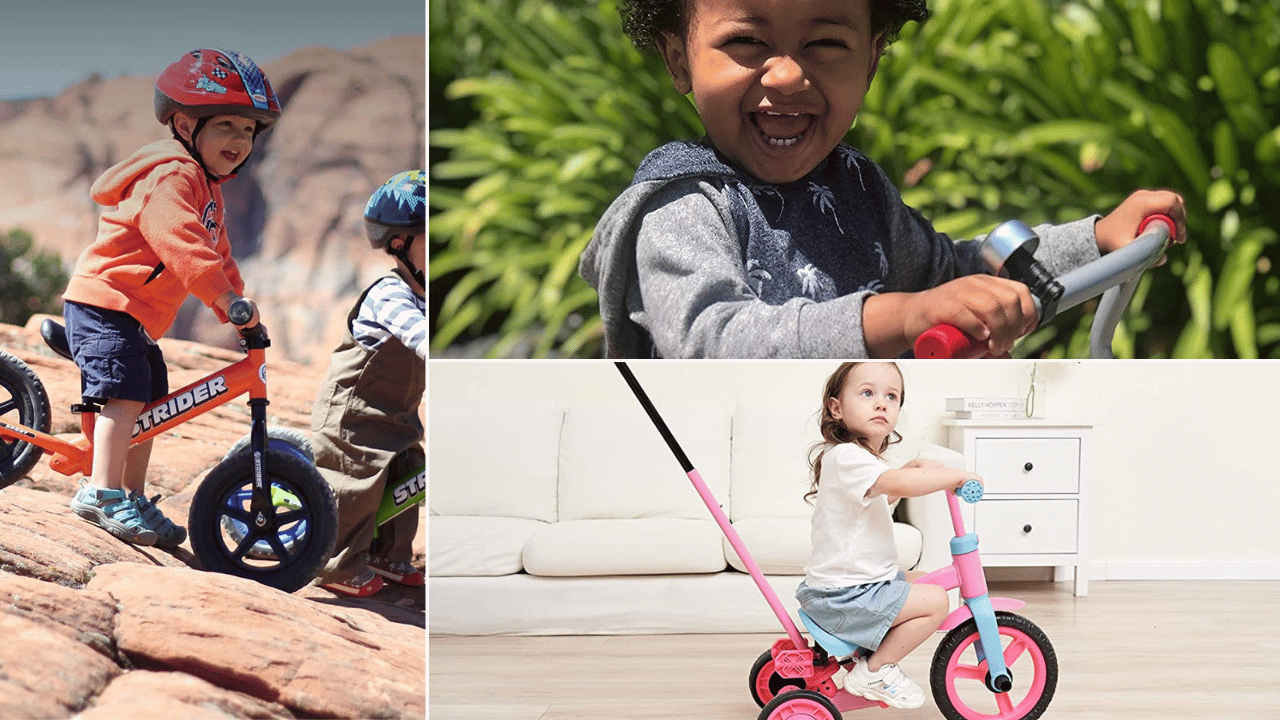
point(351, 119)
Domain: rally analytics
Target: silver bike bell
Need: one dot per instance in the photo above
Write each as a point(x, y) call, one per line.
point(1005, 240)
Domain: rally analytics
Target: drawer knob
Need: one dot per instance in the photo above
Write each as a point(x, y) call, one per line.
point(1028, 467)
point(1026, 529)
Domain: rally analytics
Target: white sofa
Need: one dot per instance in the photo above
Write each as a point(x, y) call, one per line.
point(551, 519)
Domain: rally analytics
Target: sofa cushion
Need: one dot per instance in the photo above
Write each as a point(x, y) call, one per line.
point(477, 546)
point(495, 458)
point(522, 604)
point(614, 464)
point(781, 546)
point(770, 460)
point(647, 546)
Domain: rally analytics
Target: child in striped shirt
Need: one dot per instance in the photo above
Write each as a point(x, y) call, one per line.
point(366, 412)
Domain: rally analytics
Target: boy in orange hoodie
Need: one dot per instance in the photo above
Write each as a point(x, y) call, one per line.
point(161, 238)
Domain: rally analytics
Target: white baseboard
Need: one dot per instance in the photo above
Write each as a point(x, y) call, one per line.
point(1184, 570)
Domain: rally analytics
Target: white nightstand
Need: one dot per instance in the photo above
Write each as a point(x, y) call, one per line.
point(1036, 474)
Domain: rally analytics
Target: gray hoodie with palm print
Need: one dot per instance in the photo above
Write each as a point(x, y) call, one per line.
point(698, 258)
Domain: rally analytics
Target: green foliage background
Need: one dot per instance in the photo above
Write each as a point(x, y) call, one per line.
point(31, 280)
point(1042, 111)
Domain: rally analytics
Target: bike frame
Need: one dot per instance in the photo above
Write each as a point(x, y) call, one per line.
point(407, 492)
point(248, 375)
point(965, 572)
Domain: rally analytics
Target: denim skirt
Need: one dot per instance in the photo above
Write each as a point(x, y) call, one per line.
point(859, 614)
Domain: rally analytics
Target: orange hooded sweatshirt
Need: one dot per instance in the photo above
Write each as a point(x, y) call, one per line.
point(160, 239)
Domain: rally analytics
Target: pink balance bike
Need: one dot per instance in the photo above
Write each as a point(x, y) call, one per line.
point(992, 664)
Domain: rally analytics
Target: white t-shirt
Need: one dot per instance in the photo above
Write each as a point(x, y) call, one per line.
point(852, 534)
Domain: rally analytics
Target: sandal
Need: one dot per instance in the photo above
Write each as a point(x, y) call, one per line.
point(361, 585)
point(402, 573)
point(112, 511)
point(167, 533)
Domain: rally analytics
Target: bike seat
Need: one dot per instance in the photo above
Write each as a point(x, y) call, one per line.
point(832, 644)
point(55, 336)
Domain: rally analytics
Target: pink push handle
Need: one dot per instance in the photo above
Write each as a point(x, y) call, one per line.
point(948, 342)
point(1157, 217)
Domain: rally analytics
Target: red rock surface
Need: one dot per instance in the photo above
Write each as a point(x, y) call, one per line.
point(121, 631)
point(144, 694)
point(316, 660)
point(46, 674)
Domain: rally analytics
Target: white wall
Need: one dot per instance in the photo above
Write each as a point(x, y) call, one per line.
point(1186, 454)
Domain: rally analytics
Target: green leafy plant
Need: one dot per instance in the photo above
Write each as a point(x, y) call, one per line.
point(1051, 111)
point(565, 118)
point(1042, 111)
point(31, 280)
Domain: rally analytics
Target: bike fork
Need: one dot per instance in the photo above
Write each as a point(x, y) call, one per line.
point(261, 506)
point(973, 587)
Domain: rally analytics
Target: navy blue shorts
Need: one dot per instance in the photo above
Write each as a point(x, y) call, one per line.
point(116, 361)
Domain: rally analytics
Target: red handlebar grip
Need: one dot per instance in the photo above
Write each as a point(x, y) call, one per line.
point(1158, 217)
point(946, 342)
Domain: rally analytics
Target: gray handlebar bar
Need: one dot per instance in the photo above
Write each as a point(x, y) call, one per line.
point(1116, 276)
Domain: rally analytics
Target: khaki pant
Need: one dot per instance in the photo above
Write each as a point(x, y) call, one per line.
point(359, 497)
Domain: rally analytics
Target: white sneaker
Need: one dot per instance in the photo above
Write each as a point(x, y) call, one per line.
point(888, 685)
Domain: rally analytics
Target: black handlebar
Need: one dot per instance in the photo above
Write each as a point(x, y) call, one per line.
point(240, 312)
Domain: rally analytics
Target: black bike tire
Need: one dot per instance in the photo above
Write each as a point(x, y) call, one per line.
point(204, 521)
point(18, 457)
point(281, 438)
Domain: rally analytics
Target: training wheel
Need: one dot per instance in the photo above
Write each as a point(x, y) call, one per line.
point(800, 705)
point(765, 682)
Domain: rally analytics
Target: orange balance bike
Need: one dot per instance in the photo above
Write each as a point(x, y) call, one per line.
point(262, 513)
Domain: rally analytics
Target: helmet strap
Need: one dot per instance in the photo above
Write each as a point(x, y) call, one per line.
point(191, 148)
point(403, 255)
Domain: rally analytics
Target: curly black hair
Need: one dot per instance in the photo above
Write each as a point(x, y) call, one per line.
point(644, 20)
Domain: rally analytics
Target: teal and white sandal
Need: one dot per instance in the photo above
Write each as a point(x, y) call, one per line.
point(167, 533)
point(113, 511)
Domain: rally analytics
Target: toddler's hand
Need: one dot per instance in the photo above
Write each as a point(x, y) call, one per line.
point(253, 317)
point(1120, 226)
point(987, 308)
point(225, 301)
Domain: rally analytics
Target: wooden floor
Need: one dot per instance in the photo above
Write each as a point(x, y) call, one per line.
point(1129, 650)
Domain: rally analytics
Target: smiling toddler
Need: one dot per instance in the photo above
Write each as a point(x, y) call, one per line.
point(770, 237)
point(161, 238)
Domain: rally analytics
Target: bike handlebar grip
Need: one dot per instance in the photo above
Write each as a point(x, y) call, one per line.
point(945, 342)
point(240, 312)
point(1157, 217)
point(971, 491)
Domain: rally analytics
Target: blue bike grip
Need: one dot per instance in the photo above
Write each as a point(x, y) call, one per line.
point(970, 491)
point(240, 312)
